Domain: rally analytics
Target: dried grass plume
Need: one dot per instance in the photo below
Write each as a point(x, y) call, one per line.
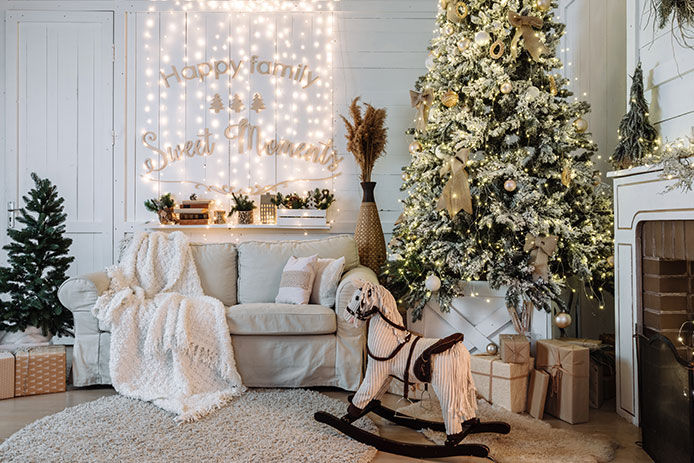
point(366, 136)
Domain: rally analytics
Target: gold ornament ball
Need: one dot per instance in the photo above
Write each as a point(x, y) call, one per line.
point(506, 88)
point(544, 5)
point(415, 147)
point(450, 99)
point(464, 44)
point(483, 38)
point(492, 349)
point(449, 30)
point(610, 261)
point(510, 185)
point(461, 10)
point(562, 320)
point(581, 125)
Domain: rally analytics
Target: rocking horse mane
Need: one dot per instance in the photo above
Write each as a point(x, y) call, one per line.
point(375, 295)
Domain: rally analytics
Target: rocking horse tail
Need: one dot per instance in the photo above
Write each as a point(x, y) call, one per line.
point(454, 386)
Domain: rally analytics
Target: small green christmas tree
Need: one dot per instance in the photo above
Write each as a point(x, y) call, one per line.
point(638, 139)
point(38, 258)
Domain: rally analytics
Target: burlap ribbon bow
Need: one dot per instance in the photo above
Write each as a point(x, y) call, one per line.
point(540, 248)
point(422, 101)
point(525, 26)
point(456, 192)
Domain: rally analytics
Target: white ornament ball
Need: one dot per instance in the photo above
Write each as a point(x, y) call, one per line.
point(483, 38)
point(432, 283)
point(532, 93)
point(492, 349)
point(464, 44)
point(562, 320)
point(581, 125)
point(439, 154)
point(510, 185)
point(506, 88)
point(449, 29)
point(544, 5)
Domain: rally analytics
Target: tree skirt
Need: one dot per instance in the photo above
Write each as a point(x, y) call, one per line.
point(262, 425)
point(530, 440)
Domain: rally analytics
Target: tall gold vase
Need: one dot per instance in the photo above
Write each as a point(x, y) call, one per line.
point(369, 233)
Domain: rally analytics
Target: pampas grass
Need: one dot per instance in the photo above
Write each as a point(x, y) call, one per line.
point(366, 136)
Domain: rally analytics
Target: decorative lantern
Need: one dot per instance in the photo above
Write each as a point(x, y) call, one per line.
point(268, 211)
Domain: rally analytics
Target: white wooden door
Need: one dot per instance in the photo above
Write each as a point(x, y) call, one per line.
point(59, 107)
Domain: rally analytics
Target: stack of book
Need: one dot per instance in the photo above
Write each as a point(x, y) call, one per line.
point(195, 212)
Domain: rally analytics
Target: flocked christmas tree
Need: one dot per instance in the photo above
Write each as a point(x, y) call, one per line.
point(38, 258)
point(501, 186)
point(638, 139)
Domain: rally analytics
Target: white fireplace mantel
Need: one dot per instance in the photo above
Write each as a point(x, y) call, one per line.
point(639, 196)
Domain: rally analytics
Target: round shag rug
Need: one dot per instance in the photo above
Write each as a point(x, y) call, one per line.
point(260, 426)
point(530, 440)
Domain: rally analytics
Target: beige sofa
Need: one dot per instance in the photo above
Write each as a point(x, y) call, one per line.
point(279, 345)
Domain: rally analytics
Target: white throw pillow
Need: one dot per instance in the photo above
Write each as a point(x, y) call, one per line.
point(297, 280)
point(328, 273)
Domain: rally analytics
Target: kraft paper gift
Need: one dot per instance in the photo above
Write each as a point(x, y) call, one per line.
point(6, 375)
point(537, 393)
point(514, 348)
point(39, 370)
point(591, 344)
point(500, 383)
point(568, 367)
point(602, 377)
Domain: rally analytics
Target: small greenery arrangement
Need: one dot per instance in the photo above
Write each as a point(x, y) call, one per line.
point(163, 203)
point(242, 203)
point(316, 199)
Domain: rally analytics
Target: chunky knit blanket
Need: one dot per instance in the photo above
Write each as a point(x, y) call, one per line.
point(170, 343)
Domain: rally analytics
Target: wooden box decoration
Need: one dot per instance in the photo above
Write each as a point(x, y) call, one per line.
point(537, 393)
point(39, 370)
point(514, 348)
point(568, 367)
point(268, 211)
point(6, 375)
point(302, 217)
point(500, 383)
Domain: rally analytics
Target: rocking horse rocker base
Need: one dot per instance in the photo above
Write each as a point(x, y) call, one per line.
point(452, 448)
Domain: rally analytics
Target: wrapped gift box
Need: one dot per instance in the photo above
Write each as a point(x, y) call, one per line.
point(568, 367)
point(39, 370)
point(537, 393)
point(591, 344)
point(514, 348)
point(6, 375)
point(602, 377)
point(500, 383)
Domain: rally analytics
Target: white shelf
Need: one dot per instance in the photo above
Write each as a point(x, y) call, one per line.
point(232, 226)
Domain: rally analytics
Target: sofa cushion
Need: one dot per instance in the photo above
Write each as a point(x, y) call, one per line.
point(260, 263)
point(216, 264)
point(280, 319)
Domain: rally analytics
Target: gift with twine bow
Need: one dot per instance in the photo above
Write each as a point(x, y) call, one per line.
point(525, 27)
point(500, 383)
point(456, 193)
point(568, 367)
point(514, 348)
point(540, 248)
point(422, 101)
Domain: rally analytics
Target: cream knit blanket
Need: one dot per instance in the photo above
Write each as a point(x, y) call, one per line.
point(170, 343)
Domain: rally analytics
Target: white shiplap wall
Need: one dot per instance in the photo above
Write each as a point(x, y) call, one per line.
point(668, 69)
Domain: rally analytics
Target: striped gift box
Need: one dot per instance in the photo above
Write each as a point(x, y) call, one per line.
point(39, 370)
point(6, 375)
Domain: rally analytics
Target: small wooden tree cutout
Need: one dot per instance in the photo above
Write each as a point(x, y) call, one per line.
point(237, 104)
point(216, 105)
point(257, 104)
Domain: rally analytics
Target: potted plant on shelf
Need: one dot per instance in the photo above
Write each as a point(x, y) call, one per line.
point(164, 207)
point(296, 210)
point(366, 140)
point(30, 312)
point(244, 206)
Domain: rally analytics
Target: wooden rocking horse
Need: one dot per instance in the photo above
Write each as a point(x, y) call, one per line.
point(395, 352)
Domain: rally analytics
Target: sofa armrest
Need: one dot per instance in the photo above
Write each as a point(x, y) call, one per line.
point(345, 290)
point(79, 294)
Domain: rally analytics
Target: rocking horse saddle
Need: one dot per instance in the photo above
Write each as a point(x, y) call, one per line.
point(422, 365)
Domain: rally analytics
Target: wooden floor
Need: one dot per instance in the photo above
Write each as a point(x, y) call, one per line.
point(17, 413)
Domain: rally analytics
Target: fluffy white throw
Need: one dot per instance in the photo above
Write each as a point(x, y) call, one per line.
point(170, 343)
